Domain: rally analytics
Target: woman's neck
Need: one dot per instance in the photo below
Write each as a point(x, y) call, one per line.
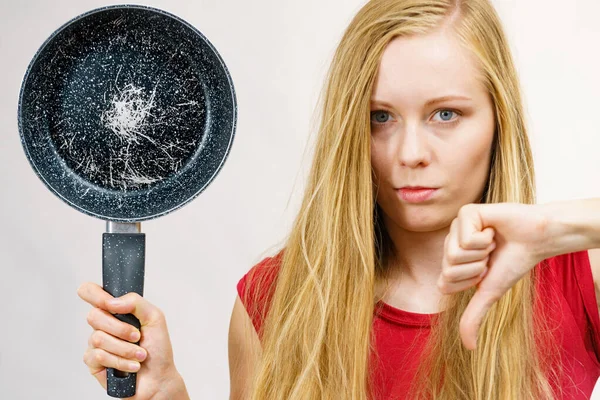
point(417, 256)
point(411, 274)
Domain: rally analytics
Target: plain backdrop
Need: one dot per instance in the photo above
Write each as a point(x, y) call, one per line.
point(277, 52)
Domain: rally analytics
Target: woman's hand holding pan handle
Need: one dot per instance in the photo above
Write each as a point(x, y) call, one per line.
point(113, 344)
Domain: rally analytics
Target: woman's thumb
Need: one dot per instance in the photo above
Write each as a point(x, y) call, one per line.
point(133, 303)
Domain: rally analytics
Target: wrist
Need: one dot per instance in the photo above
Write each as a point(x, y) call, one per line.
point(569, 227)
point(174, 388)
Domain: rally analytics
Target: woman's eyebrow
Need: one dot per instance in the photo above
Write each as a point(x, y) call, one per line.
point(429, 102)
point(446, 98)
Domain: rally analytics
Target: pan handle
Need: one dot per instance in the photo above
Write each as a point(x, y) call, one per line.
point(123, 260)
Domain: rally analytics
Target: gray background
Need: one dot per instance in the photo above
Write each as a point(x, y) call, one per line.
point(277, 53)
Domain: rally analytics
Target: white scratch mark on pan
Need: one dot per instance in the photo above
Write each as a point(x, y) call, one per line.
point(189, 103)
point(132, 114)
point(110, 169)
point(127, 113)
point(136, 177)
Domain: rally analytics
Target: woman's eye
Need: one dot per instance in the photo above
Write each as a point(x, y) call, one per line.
point(379, 116)
point(446, 115)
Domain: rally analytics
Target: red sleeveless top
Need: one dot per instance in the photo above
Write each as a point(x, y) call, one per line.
point(400, 335)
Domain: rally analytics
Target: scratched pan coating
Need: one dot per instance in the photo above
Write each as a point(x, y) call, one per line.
point(127, 113)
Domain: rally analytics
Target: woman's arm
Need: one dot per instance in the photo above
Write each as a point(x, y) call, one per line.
point(574, 226)
point(595, 264)
point(523, 235)
point(244, 352)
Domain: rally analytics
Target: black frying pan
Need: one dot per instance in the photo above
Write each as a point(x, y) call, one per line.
point(126, 113)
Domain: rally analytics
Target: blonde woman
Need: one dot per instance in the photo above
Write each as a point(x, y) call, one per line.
point(419, 265)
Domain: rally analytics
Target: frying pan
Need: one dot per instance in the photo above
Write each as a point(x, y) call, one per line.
point(126, 113)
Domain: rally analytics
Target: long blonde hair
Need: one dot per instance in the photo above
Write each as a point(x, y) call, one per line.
point(317, 337)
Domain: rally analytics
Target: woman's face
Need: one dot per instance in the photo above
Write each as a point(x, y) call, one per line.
point(420, 139)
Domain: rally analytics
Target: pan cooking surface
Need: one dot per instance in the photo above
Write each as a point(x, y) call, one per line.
point(127, 100)
point(130, 102)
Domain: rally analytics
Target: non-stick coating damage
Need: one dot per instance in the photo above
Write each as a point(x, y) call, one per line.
point(125, 98)
point(124, 122)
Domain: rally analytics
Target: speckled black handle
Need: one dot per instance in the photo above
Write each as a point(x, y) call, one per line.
point(123, 256)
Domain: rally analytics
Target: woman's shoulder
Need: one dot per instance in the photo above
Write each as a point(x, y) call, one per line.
point(256, 288)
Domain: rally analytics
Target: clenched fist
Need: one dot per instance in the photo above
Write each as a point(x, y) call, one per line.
point(112, 344)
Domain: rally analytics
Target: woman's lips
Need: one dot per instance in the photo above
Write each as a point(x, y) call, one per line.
point(416, 195)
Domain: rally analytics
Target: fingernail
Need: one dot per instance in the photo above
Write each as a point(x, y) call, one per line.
point(140, 355)
point(134, 336)
point(481, 275)
point(134, 366)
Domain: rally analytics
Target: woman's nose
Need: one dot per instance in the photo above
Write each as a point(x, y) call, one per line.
point(413, 148)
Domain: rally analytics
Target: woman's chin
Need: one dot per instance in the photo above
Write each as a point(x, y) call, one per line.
point(423, 228)
point(424, 222)
point(421, 218)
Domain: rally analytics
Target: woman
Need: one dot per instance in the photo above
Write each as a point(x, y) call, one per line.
point(464, 290)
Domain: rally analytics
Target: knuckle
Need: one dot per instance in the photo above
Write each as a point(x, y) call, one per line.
point(482, 264)
point(119, 364)
point(91, 316)
point(441, 286)
point(130, 354)
point(453, 255)
point(447, 274)
point(466, 243)
point(122, 364)
point(97, 339)
point(132, 297)
point(454, 222)
point(99, 357)
point(86, 356)
point(126, 331)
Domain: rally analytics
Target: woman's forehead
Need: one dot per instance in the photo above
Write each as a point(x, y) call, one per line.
point(427, 66)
